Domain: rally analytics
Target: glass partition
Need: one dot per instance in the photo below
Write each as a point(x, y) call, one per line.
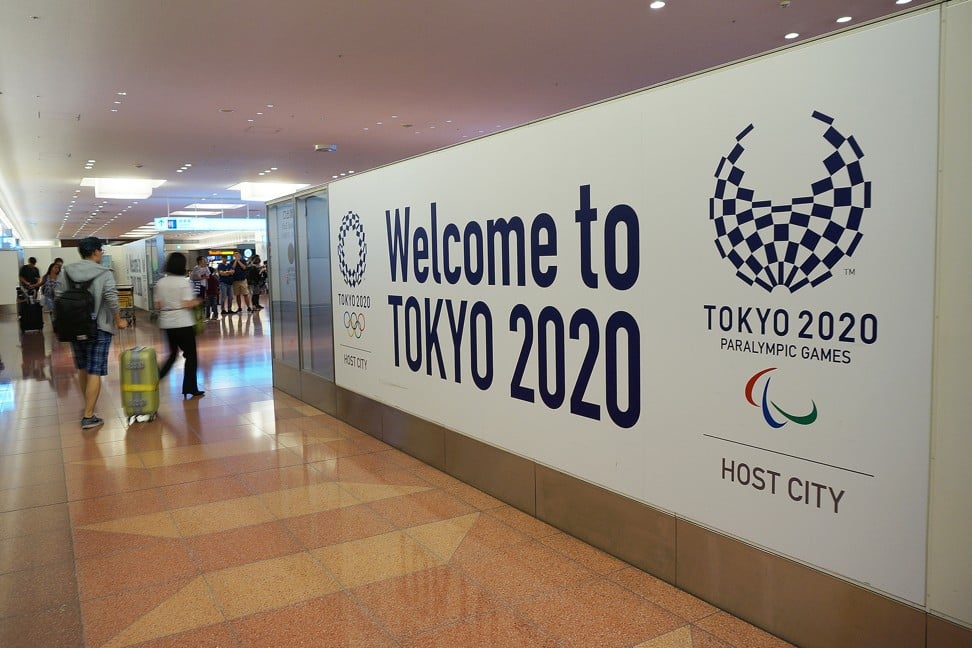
point(282, 245)
point(314, 258)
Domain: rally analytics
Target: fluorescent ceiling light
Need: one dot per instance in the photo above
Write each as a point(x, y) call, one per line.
point(122, 188)
point(194, 212)
point(215, 206)
point(264, 191)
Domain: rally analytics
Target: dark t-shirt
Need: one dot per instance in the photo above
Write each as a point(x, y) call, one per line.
point(32, 275)
point(239, 271)
point(222, 267)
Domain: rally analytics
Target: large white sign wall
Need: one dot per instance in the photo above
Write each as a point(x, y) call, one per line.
point(714, 297)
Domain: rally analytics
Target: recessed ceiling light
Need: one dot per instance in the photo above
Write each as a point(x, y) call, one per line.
point(844, 19)
point(187, 165)
point(269, 105)
point(273, 168)
point(259, 113)
point(91, 161)
point(791, 36)
point(114, 110)
point(249, 120)
point(179, 170)
point(117, 102)
point(657, 4)
point(227, 110)
point(902, 1)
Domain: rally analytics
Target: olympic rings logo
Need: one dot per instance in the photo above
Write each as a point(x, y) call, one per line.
point(354, 323)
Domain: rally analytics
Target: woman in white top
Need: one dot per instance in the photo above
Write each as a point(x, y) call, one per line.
point(175, 299)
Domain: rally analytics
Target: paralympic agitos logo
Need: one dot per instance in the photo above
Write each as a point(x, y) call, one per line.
point(765, 403)
point(798, 243)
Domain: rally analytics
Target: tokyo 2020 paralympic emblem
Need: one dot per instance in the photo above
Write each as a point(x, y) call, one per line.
point(797, 244)
point(351, 224)
point(766, 402)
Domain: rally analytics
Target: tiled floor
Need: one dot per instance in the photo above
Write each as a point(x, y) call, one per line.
point(248, 518)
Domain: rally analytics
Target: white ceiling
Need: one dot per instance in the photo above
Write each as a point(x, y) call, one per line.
point(382, 79)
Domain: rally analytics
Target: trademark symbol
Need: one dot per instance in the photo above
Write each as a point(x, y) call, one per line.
point(850, 272)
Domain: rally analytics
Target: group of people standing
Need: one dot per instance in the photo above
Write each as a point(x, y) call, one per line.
point(232, 279)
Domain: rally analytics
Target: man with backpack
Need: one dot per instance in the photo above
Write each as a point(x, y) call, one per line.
point(88, 286)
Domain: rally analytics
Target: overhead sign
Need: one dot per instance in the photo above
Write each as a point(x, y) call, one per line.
point(714, 297)
point(201, 224)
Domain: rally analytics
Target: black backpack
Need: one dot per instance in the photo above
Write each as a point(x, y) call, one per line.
point(75, 320)
point(253, 274)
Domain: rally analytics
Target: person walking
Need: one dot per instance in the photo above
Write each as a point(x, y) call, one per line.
point(91, 356)
point(175, 298)
point(49, 287)
point(29, 275)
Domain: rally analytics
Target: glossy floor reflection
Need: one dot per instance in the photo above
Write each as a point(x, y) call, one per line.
point(248, 518)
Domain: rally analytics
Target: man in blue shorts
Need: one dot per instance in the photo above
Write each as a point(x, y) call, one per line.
point(91, 357)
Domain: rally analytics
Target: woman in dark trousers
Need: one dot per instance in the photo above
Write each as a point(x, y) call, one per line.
point(175, 299)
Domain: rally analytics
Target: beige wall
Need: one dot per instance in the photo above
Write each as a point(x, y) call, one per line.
point(9, 266)
point(950, 507)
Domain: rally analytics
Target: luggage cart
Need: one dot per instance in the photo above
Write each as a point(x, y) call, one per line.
point(126, 303)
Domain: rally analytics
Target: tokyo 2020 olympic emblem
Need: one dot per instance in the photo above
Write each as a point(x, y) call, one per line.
point(351, 224)
point(796, 244)
point(354, 323)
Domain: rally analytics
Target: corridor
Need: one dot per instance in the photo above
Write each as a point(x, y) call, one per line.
point(248, 518)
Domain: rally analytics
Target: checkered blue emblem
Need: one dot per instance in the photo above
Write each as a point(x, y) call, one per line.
point(796, 244)
point(351, 225)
